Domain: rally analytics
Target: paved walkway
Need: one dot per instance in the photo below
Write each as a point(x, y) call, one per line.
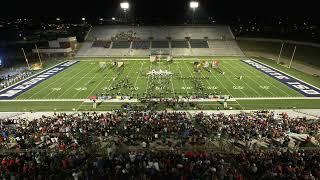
point(308, 113)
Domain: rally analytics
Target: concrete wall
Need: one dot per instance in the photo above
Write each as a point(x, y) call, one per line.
point(279, 41)
point(162, 32)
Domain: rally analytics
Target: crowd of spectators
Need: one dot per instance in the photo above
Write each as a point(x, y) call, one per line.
point(261, 126)
point(126, 145)
point(9, 79)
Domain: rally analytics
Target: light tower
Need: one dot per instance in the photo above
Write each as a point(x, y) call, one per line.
point(125, 6)
point(193, 5)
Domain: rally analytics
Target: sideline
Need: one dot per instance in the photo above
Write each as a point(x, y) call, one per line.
point(308, 113)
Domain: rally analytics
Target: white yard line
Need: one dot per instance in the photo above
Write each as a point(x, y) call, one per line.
point(202, 76)
point(87, 82)
point(109, 72)
point(26, 79)
point(80, 105)
point(46, 87)
point(148, 80)
point(250, 79)
point(57, 80)
point(287, 74)
point(97, 58)
point(102, 105)
point(142, 64)
point(134, 100)
point(244, 83)
point(301, 98)
point(185, 85)
point(124, 77)
point(227, 89)
point(113, 82)
point(63, 77)
point(223, 84)
point(76, 81)
point(41, 100)
point(174, 93)
point(243, 64)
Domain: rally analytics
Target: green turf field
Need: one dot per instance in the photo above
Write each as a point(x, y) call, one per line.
point(307, 55)
point(26, 106)
point(86, 79)
point(67, 90)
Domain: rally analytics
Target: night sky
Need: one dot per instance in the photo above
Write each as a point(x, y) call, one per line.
point(173, 11)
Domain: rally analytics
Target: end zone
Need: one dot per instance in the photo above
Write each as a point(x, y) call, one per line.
point(22, 86)
point(294, 83)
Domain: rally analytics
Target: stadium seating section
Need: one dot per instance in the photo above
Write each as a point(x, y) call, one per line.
point(202, 41)
point(198, 43)
point(160, 44)
point(179, 44)
point(121, 44)
point(140, 44)
point(105, 44)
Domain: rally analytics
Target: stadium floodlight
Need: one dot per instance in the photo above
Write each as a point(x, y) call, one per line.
point(124, 5)
point(194, 4)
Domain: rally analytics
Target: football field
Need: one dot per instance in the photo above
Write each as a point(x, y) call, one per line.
point(86, 79)
point(72, 86)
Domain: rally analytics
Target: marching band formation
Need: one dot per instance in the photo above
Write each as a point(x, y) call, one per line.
point(8, 80)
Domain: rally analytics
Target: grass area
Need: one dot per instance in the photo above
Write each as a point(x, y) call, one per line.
point(280, 104)
point(86, 79)
point(298, 74)
point(20, 106)
point(50, 62)
point(148, 58)
point(38, 106)
point(304, 54)
point(79, 106)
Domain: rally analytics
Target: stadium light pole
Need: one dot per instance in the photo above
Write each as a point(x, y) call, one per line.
point(294, 52)
point(38, 53)
point(25, 56)
point(125, 6)
point(193, 5)
point(280, 53)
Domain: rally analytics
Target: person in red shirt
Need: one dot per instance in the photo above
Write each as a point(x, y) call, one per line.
point(4, 162)
point(65, 164)
point(11, 162)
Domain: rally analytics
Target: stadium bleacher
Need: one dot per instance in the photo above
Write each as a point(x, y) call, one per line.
point(179, 44)
point(162, 32)
point(121, 44)
point(160, 44)
point(204, 41)
point(198, 43)
point(140, 44)
point(99, 43)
